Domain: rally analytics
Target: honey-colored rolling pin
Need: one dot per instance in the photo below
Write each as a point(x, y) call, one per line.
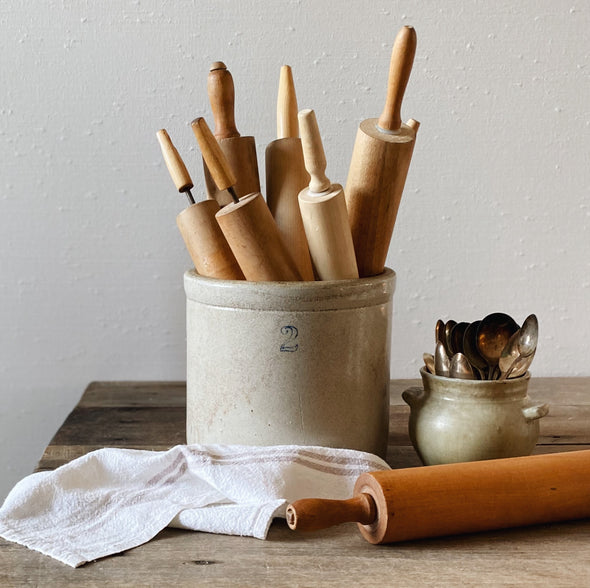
point(239, 151)
point(432, 501)
point(379, 165)
point(286, 175)
point(246, 222)
point(323, 210)
point(206, 245)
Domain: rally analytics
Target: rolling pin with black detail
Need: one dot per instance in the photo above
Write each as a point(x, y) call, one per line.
point(246, 222)
point(206, 245)
point(451, 499)
point(239, 151)
point(323, 210)
point(379, 165)
point(286, 175)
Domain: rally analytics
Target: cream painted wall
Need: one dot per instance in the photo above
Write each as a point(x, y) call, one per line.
point(495, 215)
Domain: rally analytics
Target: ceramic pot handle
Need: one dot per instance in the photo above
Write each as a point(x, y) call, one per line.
point(532, 413)
point(414, 396)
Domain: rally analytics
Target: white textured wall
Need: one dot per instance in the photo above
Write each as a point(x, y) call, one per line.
point(495, 214)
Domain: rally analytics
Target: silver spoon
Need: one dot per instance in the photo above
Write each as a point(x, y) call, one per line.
point(461, 368)
point(442, 363)
point(478, 363)
point(429, 362)
point(521, 366)
point(519, 348)
point(457, 334)
point(447, 336)
point(439, 330)
point(493, 334)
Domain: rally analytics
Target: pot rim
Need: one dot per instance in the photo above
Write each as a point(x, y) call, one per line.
point(458, 388)
point(291, 296)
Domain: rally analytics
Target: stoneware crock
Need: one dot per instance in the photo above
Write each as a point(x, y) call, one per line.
point(275, 363)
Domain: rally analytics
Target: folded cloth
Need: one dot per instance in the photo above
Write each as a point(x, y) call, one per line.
point(111, 500)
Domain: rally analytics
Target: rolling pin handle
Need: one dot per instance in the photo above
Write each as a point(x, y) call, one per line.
point(313, 151)
point(402, 59)
point(233, 194)
point(220, 88)
point(314, 514)
point(189, 196)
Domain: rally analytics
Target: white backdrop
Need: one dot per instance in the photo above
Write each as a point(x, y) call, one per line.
point(495, 214)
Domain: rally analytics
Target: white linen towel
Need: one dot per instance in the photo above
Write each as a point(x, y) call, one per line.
point(111, 500)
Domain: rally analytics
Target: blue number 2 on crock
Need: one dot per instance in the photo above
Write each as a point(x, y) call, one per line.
point(291, 333)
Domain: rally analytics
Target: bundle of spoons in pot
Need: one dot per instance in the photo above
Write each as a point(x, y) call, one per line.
point(494, 348)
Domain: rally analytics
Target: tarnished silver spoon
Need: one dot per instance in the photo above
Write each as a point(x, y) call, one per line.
point(429, 362)
point(461, 368)
point(521, 346)
point(493, 335)
point(478, 363)
point(457, 334)
point(439, 331)
point(442, 364)
point(447, 337)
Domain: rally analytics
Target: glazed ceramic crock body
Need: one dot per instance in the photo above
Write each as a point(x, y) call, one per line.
point(272, 363)
point(454, 420)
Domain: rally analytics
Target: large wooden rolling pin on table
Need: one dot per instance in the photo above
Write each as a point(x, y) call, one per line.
point(432, 501)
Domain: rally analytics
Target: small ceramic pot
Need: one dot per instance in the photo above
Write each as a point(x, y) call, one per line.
point(454, 420)
point(275, 363)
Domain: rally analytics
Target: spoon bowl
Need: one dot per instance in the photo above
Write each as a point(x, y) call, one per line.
point(493, 335)
point(461, 368)
point(470, 349)
point(521, 345)
point(442, 364)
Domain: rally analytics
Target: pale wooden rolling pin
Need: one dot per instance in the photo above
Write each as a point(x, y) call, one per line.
point(206, 245)
point(323, 210)
point(246, 222)
point(286, 175)
point(379, 165)
point(432, 501)
point(239, 151)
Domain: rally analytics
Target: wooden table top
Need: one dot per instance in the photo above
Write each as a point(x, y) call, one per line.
point(151, 415)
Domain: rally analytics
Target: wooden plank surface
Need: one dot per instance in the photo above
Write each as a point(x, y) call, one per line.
point(150, 415)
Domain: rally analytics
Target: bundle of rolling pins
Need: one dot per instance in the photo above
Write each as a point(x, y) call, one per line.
point(307, 228)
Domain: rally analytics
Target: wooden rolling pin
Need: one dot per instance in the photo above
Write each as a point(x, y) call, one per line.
point(432, 501)
point(286, 175)
point(323, 210)
point(246, 222)
point(207, 247)
point(379, 165)
point(239, 151)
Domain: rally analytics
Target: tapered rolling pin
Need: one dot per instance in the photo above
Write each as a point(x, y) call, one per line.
point(432, 501)
point(239, 151)
point(323, 210)
point(379, 165)
point(286, 175)
point(246, 222)
point(200, 231)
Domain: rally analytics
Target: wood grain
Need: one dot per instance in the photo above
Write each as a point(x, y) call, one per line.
point(239, 151)
point(209, 251)
point(286, 175)
point(256, 242)
point(323, 210)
